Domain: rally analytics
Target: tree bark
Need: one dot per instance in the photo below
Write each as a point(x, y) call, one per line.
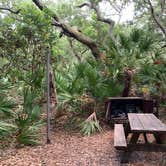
point(127, 81)
point(53, 92)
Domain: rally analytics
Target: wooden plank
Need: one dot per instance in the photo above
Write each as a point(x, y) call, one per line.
point(147, 147)
point(146, 123)
point(158, 123)
point(119, 137)
point(151, 124)
point(108, 111)
point(135, 124)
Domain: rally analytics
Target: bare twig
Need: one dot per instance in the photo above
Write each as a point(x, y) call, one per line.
point(162, 6)
point(84, 4)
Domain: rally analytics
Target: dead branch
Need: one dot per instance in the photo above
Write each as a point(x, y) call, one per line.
point(92, 117)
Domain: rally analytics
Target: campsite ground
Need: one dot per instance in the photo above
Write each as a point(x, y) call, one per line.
point(72, 149)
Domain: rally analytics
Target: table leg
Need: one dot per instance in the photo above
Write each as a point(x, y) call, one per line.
point(127, 130)
point(145, 138)
point(157, 137)
point(134, 138)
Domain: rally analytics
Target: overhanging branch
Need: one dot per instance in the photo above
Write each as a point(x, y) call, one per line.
point(108, 21)
point(96, 9)
point(72, 32)
point(41, 7)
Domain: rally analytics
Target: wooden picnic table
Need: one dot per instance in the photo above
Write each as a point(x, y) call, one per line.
point(140, 123)
point(145, 124)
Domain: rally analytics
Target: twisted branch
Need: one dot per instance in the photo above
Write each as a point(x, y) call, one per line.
point(108, 21)
point(72, 32)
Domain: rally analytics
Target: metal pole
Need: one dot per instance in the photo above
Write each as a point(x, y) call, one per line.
point(48, 93)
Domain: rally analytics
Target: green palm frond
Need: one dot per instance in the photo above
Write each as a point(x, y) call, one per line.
point(124, 41)
point(135, 35)
point(28, 120)
point(35, 113)
point(7, 128)
point(145, 43)
point(6, 107)
point(30, 135)
point(29, 99)
point(62, 83)
point(90, 127)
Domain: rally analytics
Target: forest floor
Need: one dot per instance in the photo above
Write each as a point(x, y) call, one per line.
point(72, 149)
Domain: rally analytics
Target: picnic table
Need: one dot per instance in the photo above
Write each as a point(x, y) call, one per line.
point(140, 123)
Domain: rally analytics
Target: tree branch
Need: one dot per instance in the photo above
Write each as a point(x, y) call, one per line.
point(72, 32)
point(96, 9)
point(108, 21)
point(162, 28)
point(84, 4)
point(10, 10)
point(162, 6)
point(41, 7)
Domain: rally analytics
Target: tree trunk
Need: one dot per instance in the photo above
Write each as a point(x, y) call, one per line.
point(127, 81)
point(53, 92)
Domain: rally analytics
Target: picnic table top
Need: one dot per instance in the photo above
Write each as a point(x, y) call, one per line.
point(149, 123)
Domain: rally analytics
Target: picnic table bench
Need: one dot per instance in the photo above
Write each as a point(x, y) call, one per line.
point(139, 123)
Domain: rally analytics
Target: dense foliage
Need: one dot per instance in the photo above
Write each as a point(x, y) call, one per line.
point(81, 82)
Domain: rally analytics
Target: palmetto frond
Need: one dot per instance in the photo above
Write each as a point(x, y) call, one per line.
point(6, 107)
point(7, 128)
